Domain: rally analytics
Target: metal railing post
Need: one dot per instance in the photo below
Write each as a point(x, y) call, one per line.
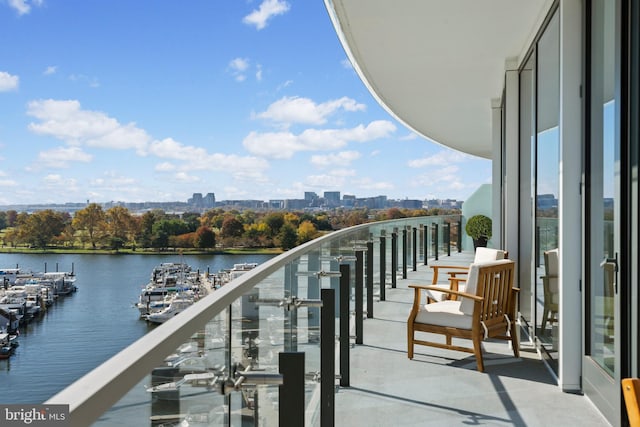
point(369, 279)
point(405, 243)
point(435, 240)
point(328, 358)
point(359, 295)
point(291, 322)
point(415, 249)
point(459, 241)
point(291, 393)
point(447, 237)
point(383, 266)
point(313, 292)
point(425, 230)
point(394, 258)
point(345, 285)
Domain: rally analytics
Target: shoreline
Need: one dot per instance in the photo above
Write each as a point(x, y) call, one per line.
point(227, 251)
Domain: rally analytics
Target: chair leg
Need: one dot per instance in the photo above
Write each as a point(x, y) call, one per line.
point(514, 339)
point(477, 350)
point(410, 335)
point(545, 315)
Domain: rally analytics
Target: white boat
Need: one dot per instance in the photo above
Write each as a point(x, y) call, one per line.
point(177, 305)
point(6, 349)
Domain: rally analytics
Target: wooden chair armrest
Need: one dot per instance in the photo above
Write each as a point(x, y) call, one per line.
point(446, 291)
point(436, 267)
point(452, 267)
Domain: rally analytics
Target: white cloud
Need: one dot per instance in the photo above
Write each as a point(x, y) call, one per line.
point(8, 82)
point(169, 148)
point(51, 69)
point(8, 183)
point(325, 181)
point(442, 158)
point(91, 81)
point(114, 181)
point(239, 67)
point(343, 172)
point(55, 181)
point(198, 159)
point(283, 145)
point(284, 85)
point(67, 121)
point(443, 180)
point(61, 157)
point(369, 184)
point(185, 177)
point(259, 73)
point(346, 63)
point(410, 137)
point(23, 7)
point(343, 158)
point(165, 167)
point(290, 110)
point(267, 10)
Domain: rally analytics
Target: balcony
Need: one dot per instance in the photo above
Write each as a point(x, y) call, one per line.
point(255, 352)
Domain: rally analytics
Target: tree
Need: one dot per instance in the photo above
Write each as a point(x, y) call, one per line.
point(394, 213)
point(41, 227)
point(12, 217)
point(287, 237)
point(192, 220)
point(118, 224)
point(3, 220)
point(90, 220)
point(204, 238)
point(274, 221)
point(231, 227)
point(292, 218)
point(306, 231)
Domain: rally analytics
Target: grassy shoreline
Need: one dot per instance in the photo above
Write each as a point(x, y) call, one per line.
point(80, 251)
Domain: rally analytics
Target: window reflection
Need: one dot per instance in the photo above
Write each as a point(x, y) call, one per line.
point(547, 172)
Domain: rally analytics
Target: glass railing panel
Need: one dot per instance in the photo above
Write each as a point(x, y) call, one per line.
point(254, 318)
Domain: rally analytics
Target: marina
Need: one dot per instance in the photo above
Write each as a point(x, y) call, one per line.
point(79, 332)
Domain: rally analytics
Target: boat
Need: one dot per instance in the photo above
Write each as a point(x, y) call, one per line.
point(169, 279)
point(6, 349)
point(177, 304)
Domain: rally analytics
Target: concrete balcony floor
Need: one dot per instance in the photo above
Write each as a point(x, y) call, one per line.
point(442, 387)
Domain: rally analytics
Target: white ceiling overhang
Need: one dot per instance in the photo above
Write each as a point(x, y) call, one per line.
point(436, 65)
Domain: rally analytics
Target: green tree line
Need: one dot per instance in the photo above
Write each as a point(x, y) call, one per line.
point(114, 228)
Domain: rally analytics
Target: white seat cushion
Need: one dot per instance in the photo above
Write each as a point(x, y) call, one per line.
point(437, 296)
point(444, 313)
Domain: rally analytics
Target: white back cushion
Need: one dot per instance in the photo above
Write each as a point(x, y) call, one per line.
point(487, 254)
point(466, 304)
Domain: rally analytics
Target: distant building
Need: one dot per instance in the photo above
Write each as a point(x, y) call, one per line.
point(332, 199)
point(209, 200)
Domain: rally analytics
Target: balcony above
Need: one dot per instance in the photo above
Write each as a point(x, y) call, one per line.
point(437, 65)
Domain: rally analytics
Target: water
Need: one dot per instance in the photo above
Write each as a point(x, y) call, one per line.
point(82, 330)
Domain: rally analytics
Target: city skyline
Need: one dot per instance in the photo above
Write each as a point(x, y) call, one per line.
point(145, 101)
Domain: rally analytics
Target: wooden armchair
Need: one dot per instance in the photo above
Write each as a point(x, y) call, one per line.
point(631, 393)
point(487, 309)
point(551, 288)
point(458, 273)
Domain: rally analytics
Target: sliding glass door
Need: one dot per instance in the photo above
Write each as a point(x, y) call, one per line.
point(605, 179)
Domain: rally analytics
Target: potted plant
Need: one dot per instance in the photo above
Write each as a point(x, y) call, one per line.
point(479, 229)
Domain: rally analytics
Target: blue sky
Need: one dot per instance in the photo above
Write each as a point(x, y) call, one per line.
point(155, 100)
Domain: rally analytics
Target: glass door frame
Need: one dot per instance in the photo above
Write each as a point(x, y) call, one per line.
point(601, 387)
